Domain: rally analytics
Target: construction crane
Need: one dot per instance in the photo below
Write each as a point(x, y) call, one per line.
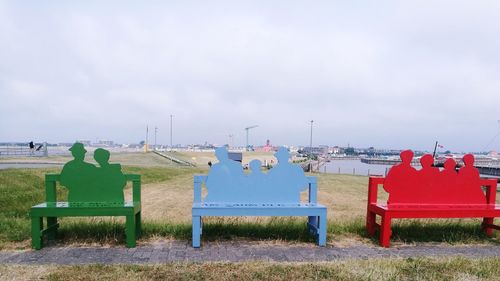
point(248, 129)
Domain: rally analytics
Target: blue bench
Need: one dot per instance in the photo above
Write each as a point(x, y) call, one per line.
point(277, 193)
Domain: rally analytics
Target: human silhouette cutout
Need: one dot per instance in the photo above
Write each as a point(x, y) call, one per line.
point(448, 179)
point(256, 176)
point(400, 181)
point(256, 182)
point(469, 178)
point(110, 180)
point(427, 178)
point(431, 186)
point(225, 178)
point(285, 179)
point(78, 176)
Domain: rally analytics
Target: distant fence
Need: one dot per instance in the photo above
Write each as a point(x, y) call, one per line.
point(359, 171)
point(490, 171)
point(176, 160)
point(15, 150)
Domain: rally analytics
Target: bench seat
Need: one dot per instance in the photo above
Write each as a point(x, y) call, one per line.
point(245, 209)
point(64, 209)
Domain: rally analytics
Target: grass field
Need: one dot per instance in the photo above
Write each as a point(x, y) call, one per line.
point(379, 269)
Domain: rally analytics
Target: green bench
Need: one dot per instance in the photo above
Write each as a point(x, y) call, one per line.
point(90, 197)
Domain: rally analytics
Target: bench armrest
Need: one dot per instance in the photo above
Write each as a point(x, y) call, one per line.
point(313, 189)
point(136, 186)
point(373, 183)
point(198, 181)
point(491, 189)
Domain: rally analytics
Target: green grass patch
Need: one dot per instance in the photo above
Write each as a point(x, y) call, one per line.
point(97, 230)
point(371, 269)
point(450, 231)
point(20, 189)
point(275, 228)
point(92, 230)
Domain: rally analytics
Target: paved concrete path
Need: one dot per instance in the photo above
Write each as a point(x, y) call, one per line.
point(180, 251)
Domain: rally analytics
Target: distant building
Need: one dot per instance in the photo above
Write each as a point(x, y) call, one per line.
point(106, 143)
point(135, 145)
point(336, 150)
point(319, 150)
point(85, 142)
point(266, 148)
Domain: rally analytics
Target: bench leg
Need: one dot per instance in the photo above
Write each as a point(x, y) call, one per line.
point(385, 231)
point(322, 230)
point(196, 231)
point(312, 223)
point(52, 226)
point(130, 231)
point(36, 232)
point(488, 230)
point(138, 224)
point(370, 223)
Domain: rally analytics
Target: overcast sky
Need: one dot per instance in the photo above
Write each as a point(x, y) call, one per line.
point(388, 74)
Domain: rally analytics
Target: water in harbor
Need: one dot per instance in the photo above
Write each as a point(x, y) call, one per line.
point(354, 167)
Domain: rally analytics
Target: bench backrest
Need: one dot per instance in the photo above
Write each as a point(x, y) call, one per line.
point(51, 181)
point(87, 182)
point(227, 183)
point(429, 185)
point(243, 197)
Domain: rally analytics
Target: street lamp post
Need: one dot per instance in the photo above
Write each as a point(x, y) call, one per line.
point(311, 140)
point(147, 139)
point(156, 130)
point(171, 117)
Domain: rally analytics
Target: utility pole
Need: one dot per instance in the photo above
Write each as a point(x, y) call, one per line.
point(156, 130)
point(311, 140)
point(231, 140)
point(247, 129)
point(171, 117)
point(147, 136)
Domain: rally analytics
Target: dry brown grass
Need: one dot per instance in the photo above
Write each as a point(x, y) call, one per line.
point(139, 159)
point(343, 195)
point(170, 202)
point(25, 273)
point(371, 269)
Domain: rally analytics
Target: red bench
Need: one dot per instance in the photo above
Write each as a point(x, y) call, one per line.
point(430, 193)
